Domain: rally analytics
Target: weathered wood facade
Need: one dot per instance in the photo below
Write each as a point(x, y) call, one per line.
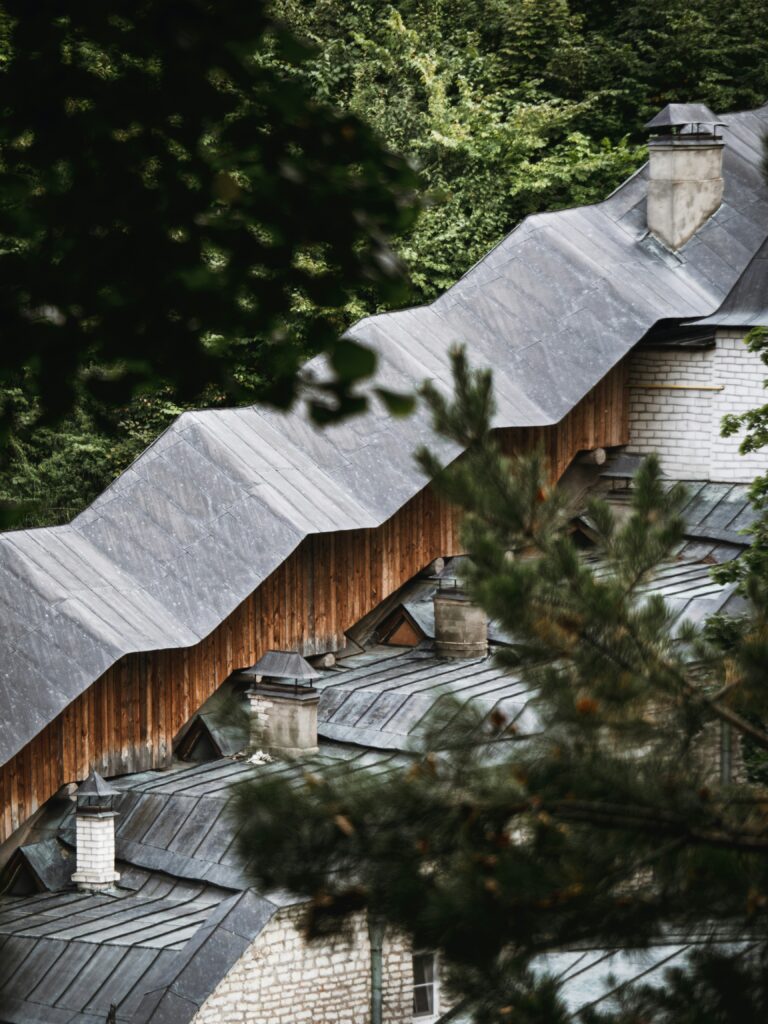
point(126, 721)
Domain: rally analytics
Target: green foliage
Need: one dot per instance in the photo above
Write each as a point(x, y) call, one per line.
point(611, 826)
point(717, 987)
point(53, 471)
point(510, 107)
point(268, 235)
point(460, 88)
point(750, 571)
point(165, 193)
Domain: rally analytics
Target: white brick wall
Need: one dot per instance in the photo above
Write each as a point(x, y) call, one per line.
point(95, 850)
point(683, 425)
point(282, 979)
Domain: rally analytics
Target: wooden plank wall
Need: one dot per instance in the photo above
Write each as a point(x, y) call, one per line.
point(126, 721)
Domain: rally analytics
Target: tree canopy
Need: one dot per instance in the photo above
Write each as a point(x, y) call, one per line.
point(168, 190)
point(510, 107)
point(613, 826)
point(506, 107)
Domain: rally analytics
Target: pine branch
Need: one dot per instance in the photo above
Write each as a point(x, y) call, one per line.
point(740, 724)
point(652, 820)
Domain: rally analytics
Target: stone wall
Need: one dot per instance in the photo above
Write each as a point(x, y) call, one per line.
point(282, 979)
point(682, 424)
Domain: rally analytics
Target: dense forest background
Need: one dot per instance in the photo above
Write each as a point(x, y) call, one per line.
point(506, 107)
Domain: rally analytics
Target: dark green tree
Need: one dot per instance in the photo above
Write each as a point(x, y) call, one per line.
point(511, 107)
point(613, 825)
point(166, 194)
point(508, 107)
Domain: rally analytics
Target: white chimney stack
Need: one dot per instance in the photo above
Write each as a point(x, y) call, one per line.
point(685, 165)
point(95, 842)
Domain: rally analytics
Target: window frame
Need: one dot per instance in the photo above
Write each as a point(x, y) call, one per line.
point(432, 985)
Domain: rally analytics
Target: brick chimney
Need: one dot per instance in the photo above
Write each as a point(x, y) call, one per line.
point(283, 704)
point(685, 163)
point(461, 627)
point(95, 835)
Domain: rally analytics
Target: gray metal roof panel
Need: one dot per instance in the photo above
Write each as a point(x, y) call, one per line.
point(59, 981)
point(383, 704)
point(746, 305)
point(111, 920)
point(157, 561)
point(69, 955)
point(178, 823)
point(206, 960)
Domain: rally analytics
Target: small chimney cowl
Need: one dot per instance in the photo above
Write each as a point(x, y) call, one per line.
point(95, 835)
point(461, 626)
point(283, 704)
point(685, 171)
point(691, 120)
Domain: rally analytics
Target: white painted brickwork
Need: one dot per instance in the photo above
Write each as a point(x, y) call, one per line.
point(683, 426)
point(95, 851)
point(282, 979)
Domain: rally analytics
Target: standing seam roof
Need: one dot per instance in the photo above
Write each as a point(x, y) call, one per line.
point(223, 497)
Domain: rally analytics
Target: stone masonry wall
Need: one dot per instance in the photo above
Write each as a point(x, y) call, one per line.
point(282, 979)
point(683, 425)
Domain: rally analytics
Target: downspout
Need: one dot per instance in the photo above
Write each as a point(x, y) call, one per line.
point(376, 939)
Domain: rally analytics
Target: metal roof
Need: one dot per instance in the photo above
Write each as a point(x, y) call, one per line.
point(178, 823)
point(718, 512)
point(105, 920)
point(381, 700)
point(224, 496)
point(381, 697)
point(416, 597)
point(184, 916)
point(384, 697)
point(746, 305)
point(688, 589)
point(591, 978)
point(67, 956)
point(158, 946)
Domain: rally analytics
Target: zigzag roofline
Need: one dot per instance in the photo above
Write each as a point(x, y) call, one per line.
point(223, 497)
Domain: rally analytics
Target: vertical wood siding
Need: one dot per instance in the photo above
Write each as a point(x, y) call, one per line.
point(126, 721)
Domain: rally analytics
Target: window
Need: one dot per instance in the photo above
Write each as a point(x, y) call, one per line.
point(424, 985)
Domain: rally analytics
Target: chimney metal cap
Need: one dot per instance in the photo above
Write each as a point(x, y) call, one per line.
point(693, 116)
point(282, 665)
point(96, 794)
point(452, 588)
